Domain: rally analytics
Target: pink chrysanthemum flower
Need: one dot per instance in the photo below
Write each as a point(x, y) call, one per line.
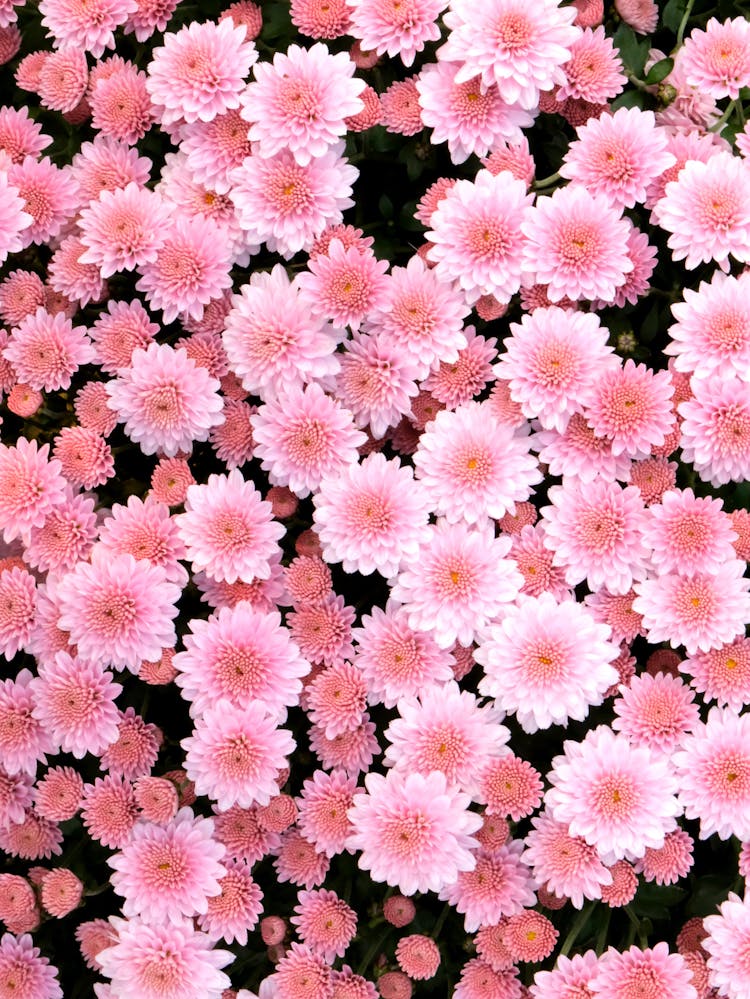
point(150, 16)
point(688, 534)
point(118, 331)
point(46, 350)
point(24, 972)
point(569, 979)
point(308, 580)
point(171, 480)
point(321, 18)
point(123, 229)
point(377, 382)
point(61, 892)
point(459, 581)
point(618, 156)
point(418, 956)
point(16, 797)
point(85, 456)
point(706, 211)
point(726, 943)
point(189, 270)
point(234, 754)
point(215, 148)
point(24, 742)
point(323, 632)
point(69, 277)
point(336, 698)
point(20, 135)
point(478, 979)
point(471, 466)
point(551, 362)
point(165, 873)
point(547, 662)
point(670, 863)
point(144, 530)
point(165, 400)
point(74, 701)
point(31, 838)
point(713, 771)
point(300, 972)
point(287, 205)
point(136, 748)
point(619, 797)
point(422, 315)
point(323, 806)
point(150, 961)
point(299, 101)
point(271, 339)
point(567, 865)
point(109, 810)
point(595, 532)
point(715, 429)
point(397, 660)
point(401, 29)
point(49, 195)
point(371, 516)
point(199, 71)
point(529, 936)
point(106, 164)
point(243, 655)
point(593, 73)
point(518, 49)
point(641, 15)
point(227, 529)
point(298, 861)
point(233, 439)
point(21, 294)
point(722, 674)
point(470, 117)
point(535, 563)
point(655, 711)
point(414, 832)
point(642, 255)
point(118, 610)
point(89, 26)
point(63, 79)
point(445, 730)
point(120, 105)
point(453, 384)
point(576, 244)
point(343, 285)
point(653, 973)
point(701, 612)
point(236, 909)
point(476, 235)
point(717, 59)
point(498, 885)
point(712, 332)
point(237, 828)
point(325, 923)
point(31, 486)
point(17, 610)
point(14, 220)
point(632, 407)
point(18, 909)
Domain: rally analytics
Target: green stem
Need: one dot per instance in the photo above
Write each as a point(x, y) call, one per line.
point(440, 920)
point(601, 939)
point(719, 125)
point(639, 84)
point(365, 963)
point(546, 181)
point(583, 917)
point(683, 23)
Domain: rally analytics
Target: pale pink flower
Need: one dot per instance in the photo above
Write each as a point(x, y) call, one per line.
point(234, 754)
point(452, 384)
point(458, 583)
point(236, 909)
point(470, 117)
point(650, 972)
point(377, 383)
point(323, 632)
point(300, 972)
point(145, 530)
point(422, 315)
point(619, 797)
point(712, 333)
point(446, 730)
point(228, 530)
point(17, 610)
point(63, 79)
point(149, 16)
point(31, 486)
point(722, 674)
point(471, 466)
point(534, 561)
point(618, 156)
point(728, 936)
point(69, 277)
point(241, 654)
point(713, 770)
point(287, 205)
point(165, 400)
point(13, 219)
point(149, 961)
point(371, 516)
point(167, 872)
point(701, 612)
point(397, 660)
point(74, 702)
point(552, 361)
point(500, 884)
point(566, 864)
point(632, 407)
point(641, 15)
point(24, 741)
point(476, 235)
point(688, 534)
point(118, 610)
point(706, 211)
point(199, 71)
point(86, 25)
point(655, 711)
point(116, 334)
point(715, 429)
point(120, 104)
point(123, 229)
point(323, 805)
point(577, 245)
point(109, 810)
point(136, 748)
point(671, 862)
point(23, 969)
point(321, 18)
point(106, 164)
point(414, 832)
point(547, 662)
point(46, 350)
point(21, 135)
point(478, 980)
point(595, 531)
point(343, 285)
point(569, 979)
point(325, 923)
point(85, 456)
point(518, 48)
point(400, 29)
point(510, 786)
point(593, 73)
point(717, 59)
point(299, 101)
point(215, 148)
point(49, 195)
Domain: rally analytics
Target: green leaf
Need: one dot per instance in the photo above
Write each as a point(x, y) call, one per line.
point(660, 70)
point(672, 14)
point(385, 207)
point(632, 51)
point(630, 99)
